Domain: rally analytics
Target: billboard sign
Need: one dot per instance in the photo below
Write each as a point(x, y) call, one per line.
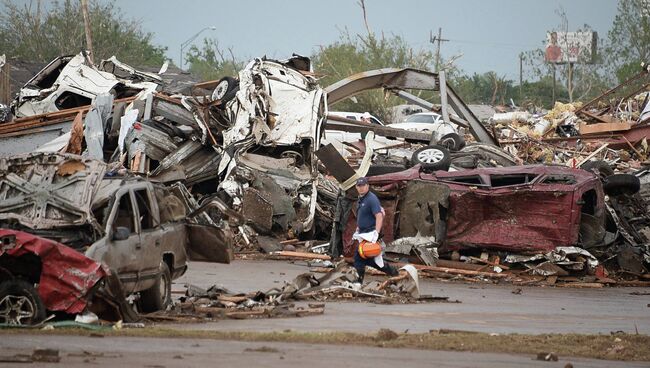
point(570, 47)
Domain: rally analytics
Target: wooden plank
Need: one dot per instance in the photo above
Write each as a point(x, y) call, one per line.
point(581, 285)
point(603, 127)
point(455, 271)
point(303, 255)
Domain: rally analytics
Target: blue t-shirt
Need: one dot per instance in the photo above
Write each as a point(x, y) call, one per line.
point(367, 208)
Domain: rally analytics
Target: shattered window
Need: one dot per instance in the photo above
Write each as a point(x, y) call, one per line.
point(69, 100)
point(473, 180)
point(125, 216)
point(144, 208)
point(559, 179)
point(507, 180)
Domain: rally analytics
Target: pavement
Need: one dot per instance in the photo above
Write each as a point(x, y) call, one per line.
point(483, 307)
point(81, 351)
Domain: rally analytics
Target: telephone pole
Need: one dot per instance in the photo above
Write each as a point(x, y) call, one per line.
point(433, 39)
point(89, 40)
point(521, 77)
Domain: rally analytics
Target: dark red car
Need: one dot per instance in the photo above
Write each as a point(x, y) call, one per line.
point(524, 209)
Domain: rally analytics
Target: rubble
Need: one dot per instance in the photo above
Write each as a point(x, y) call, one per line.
point(238, 165)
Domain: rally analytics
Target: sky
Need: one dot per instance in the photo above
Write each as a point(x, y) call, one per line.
point(490, 34)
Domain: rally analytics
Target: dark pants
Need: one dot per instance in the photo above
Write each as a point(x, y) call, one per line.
point(360, 265)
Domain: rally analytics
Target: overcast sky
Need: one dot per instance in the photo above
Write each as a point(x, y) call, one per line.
point(489, 33)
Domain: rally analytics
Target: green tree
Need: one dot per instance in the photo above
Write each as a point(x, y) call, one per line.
point(350, 55)
point(629, 38)
point(36, 32)
point(212, 62)
point(487, 88)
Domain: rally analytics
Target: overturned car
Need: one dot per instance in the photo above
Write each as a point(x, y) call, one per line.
point(522, 209)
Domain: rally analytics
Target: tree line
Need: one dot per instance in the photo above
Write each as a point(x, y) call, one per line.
point(33, 32)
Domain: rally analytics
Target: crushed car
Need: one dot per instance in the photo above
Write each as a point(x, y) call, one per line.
point(60, 211)
point(523, 209)
point(73, 81)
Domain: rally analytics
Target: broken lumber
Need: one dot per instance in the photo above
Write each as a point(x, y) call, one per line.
point(303, 255)
point(581, 285)
point(455, 270)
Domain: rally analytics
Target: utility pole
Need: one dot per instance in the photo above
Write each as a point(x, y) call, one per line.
point(439, 40)
point(521, 77)
point(89, 40)
point(570, 82)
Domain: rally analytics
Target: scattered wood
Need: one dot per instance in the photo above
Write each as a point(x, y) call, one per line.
point(581, 285)
point(302, 255)
point(456, 271)
point(458, 265)
point(490, 263)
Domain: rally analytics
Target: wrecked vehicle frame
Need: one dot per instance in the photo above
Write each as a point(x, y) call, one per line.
point(137, 231)
point(523, 209)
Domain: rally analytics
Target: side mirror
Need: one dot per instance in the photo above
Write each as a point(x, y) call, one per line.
point(121, 233)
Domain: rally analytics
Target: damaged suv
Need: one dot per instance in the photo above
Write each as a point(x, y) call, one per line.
point(67, 221)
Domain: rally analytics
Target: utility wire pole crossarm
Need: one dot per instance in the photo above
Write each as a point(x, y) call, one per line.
point(433, 39)
point(189, 41)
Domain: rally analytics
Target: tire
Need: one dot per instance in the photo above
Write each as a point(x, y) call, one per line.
point(20, 303)
point(452, 142)
point(158, 297)
point(225, 90)
point(598, 167)
point(621, 184)
point(432, 158)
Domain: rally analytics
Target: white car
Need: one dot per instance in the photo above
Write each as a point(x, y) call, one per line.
point(338, 138)
point(445, 134)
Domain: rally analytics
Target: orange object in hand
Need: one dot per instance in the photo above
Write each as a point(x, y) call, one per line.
point(369, 250)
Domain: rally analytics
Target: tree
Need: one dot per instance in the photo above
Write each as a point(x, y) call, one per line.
point(211, 62)
point(629, 38)
point(350, 55)
point(487, 88)
point(37, 33)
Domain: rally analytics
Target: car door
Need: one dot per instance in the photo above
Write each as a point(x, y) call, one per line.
point(124, 255)
point(150, 233)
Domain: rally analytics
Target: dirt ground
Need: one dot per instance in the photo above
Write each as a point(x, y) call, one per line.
point(77, 351)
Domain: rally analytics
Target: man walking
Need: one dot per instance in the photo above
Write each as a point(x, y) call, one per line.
point(370, 218)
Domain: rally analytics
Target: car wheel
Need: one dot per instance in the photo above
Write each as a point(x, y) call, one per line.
point(598, 167)
point(225, 90)
point(432, 158)
point(20, 303)
point(452, 142)
point(158, 297)
point(621, 184)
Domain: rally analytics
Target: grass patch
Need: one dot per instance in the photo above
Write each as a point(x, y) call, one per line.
point(612, 347)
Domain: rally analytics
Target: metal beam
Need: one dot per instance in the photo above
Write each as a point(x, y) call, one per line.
point(476, 128)
point(353, 126)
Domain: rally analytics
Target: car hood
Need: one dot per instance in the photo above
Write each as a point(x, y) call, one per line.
point(43, 191)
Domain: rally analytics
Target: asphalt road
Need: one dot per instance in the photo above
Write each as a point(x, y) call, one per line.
point(77, 351)
point(484, 307)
